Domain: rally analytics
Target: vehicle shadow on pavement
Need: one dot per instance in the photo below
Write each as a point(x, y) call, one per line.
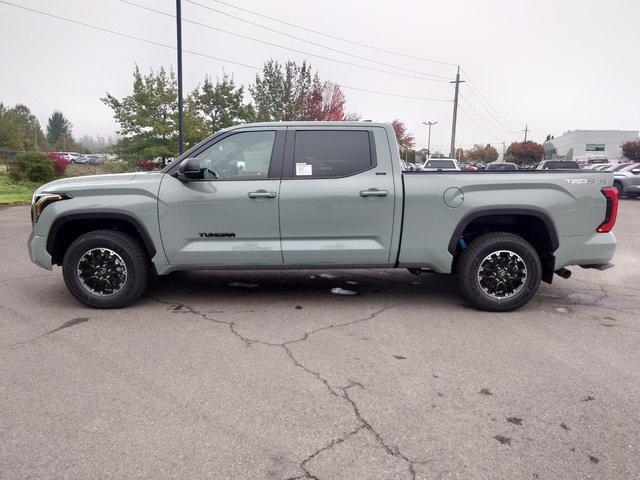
point(309, 285)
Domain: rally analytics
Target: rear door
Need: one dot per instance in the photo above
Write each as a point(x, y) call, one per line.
point(229, 219)
point(337, 197)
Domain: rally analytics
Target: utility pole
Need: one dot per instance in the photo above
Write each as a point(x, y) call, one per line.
point(180, 101)
point(526, 130)
point(429, 124)
point(503, 152)
point(455, 114)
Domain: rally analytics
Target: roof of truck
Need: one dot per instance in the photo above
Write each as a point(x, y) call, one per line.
point(311, 124)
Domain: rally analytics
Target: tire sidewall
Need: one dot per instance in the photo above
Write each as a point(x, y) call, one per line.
point(70, 272)
point(534, 274)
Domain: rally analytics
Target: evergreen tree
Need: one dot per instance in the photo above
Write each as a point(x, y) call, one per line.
point(58, 127)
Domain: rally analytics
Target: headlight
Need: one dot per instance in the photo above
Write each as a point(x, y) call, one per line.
point(41, 200)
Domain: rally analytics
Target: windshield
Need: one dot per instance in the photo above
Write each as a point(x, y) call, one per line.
point(502, 166)
point(629, 167)
point(560, 165)
point(619, 167)
point(439, 164)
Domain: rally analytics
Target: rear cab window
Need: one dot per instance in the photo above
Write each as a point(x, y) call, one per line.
point(331, 153)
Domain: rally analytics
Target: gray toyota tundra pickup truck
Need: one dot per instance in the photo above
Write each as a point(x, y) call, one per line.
point(321, 195)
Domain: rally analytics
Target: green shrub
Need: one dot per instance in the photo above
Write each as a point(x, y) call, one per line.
point(36, 167)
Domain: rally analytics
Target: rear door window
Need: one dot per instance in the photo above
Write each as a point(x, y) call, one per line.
point(326, 153)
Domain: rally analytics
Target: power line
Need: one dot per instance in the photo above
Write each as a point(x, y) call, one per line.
point(478, 124)
point(486, 103)
point(282, 46)
point(335, 37)
point(200, 54)
point(125, 35)
point(495, 126)
point(427, 99)
point(343, 52)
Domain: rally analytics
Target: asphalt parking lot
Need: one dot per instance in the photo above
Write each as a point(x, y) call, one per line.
point(251, 375)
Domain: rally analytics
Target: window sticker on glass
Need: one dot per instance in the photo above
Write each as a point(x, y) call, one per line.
point(303, 169)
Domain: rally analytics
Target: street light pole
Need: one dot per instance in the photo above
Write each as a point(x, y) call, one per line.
point(429, 124)
point(180, 101)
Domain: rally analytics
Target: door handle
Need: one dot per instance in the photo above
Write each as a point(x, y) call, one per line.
point(374, 192)
point(261, 194)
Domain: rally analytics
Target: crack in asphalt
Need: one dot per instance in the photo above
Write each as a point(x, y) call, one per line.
point(340, 392)
point(329, 446)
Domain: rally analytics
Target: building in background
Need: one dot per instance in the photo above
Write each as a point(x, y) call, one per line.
point(589, 146)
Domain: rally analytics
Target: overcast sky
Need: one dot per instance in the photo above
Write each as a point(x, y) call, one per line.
point(554, 64)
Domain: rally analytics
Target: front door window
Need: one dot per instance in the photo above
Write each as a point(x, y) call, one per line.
point(242, 156)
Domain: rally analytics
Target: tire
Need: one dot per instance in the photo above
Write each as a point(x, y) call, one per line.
point(512, 286)
point(105, 269)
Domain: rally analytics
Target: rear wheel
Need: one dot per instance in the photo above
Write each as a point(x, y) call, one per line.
point(105, 269)
point(499, 272)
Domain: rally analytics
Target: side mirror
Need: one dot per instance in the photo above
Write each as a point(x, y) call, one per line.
point(189, 169)
point(636, 171)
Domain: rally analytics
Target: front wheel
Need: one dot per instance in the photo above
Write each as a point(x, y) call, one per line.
point(105, 269)
point(499, 272)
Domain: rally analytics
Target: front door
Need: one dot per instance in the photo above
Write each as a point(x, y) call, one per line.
point(337, 198)
point(229, 219)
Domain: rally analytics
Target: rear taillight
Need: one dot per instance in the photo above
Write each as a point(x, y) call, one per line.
point(611, 194)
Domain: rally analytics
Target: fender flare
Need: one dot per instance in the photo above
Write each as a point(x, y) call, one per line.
point(485, 212)
point(63, 219)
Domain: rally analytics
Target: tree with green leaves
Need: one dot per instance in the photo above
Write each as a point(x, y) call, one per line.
point(58, 128)
point(281, 92)
point(11, 132)
point(214, 106)
point(20, 129)
point(148, 118)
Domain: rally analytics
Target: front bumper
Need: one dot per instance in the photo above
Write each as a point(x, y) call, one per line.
point(38, 251)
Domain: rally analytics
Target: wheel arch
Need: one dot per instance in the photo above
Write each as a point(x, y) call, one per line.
point(533, 225)
point(67, 227)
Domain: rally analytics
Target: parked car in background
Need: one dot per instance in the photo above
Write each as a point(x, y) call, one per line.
point(71, 157)
point(97, 159)
point(441, 165)
point(467, 167)
point(627, 180)
point(617, 167)
point(610, 167)
point(557, 165)
point(501, 166)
